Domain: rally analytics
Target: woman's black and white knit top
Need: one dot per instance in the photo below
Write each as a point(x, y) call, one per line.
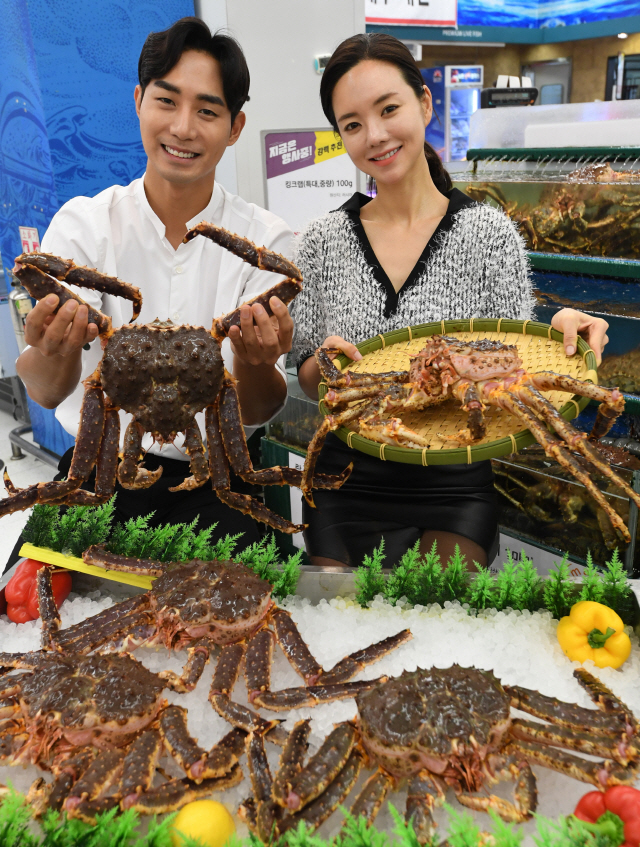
point(474, 266)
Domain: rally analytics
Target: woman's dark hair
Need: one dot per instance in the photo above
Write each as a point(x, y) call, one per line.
point(162, 51)
point(381, 48)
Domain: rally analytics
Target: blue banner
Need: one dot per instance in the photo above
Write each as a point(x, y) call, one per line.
point(535, 14)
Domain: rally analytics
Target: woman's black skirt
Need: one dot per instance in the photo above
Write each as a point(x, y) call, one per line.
point(397, 502)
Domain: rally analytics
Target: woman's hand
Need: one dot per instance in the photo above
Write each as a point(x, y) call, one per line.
point(574, 323)
point(345, 347)
point(309, 375)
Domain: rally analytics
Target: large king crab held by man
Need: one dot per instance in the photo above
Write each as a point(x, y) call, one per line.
point(162, 375)
point(477, 374)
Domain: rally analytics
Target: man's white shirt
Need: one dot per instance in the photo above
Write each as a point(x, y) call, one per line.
point(118, 233)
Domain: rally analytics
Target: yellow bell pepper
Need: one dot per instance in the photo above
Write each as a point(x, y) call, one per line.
point(594, 631)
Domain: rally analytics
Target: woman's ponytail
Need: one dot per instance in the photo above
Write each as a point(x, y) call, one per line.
point(439, 174)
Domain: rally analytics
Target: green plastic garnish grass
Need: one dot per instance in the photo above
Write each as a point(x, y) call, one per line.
point(72, 530)
point(370, 581)
point(558, 589)
point(126, 829)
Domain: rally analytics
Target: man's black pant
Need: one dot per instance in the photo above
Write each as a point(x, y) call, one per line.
point(171, 506)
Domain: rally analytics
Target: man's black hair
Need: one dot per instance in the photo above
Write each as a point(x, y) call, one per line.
point(162, 51)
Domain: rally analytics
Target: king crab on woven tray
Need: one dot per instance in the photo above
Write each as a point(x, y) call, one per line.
point(162, 375)
point(198, 606)
point(476, 374)
point(437, 729)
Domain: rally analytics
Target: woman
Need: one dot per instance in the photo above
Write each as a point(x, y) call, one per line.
point(419, 251)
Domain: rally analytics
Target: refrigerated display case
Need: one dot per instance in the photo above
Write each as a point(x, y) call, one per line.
point(456, 96)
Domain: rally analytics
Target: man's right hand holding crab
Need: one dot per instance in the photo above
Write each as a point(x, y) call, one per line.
point(52, 364)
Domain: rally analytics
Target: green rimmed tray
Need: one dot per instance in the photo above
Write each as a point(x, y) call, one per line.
point(538, 344)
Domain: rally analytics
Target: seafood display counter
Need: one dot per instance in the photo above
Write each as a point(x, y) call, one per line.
point(486, 661)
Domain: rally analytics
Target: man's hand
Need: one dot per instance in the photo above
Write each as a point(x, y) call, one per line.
point(61, 334)
point(574, 323)
point(261, 339)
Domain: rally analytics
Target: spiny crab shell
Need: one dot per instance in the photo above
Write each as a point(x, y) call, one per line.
point(433, 719)
point(162, 374)
point(96, 699)
point(224, 600)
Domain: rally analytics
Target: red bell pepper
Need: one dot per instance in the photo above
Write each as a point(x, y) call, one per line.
point(21, 595)
point(614, 812)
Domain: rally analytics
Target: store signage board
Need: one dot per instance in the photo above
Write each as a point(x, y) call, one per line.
point(297, 539)
point(412, 12)
point(307, 173)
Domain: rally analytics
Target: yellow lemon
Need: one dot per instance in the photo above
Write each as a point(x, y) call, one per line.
point(205, 820)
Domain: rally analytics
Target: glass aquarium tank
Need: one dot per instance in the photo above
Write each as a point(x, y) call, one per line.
point(579, 207)
point(540, 502)
point(295, 425)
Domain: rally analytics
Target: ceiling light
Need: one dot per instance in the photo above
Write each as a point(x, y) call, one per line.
point(623, 35)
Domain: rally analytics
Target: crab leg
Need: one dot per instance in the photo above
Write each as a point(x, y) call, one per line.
point(291, 761)
point(106, 466)
point(224, 678)
point(601, 774)
point(175, 793)
point(53, 794)
point(370, 799)
point(140, 766)
point(513, 766)
point(246, 250)
point(621, 750)
point(97, 555)
point(257, 665)
point(337, 379)
point(267, 811)
point(47, 607)
point(67, 271)
point(98, 776)
point(39, 284)
point(229, 438)
point(295, 648)
point(130, 474)
point(322, 768)
point(199, 652)
point(330, 423)
point(84, 458)
point(568, 715)
point(557, 450)
point(605, 699)
point(426, 792)
point(198, 462)
point(351, 665)
point(611, 399)
point(323, 806)
point(576, 439)
point(292, 476)
point(89, 634)
point(296, 698)
point(194, 761)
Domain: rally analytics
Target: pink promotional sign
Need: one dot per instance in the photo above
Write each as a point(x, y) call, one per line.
point(289, 151)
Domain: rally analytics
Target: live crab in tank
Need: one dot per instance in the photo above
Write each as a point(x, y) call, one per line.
point(437, 729)
point(162, 375)
point(477, 374)
point(200, 606)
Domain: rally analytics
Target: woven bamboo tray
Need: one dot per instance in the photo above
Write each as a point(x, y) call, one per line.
point(540, 348)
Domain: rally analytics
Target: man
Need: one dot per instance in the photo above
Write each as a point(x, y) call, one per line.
point(189, 100)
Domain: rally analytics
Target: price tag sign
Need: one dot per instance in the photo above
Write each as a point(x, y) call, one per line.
point(307, 173)
point(412, 12)
point(30, 239)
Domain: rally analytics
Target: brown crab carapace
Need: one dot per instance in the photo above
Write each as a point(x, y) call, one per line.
point(477, 374)
point(438, 729)
point(162, 375)
point(202, 605)
point(94, 716)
